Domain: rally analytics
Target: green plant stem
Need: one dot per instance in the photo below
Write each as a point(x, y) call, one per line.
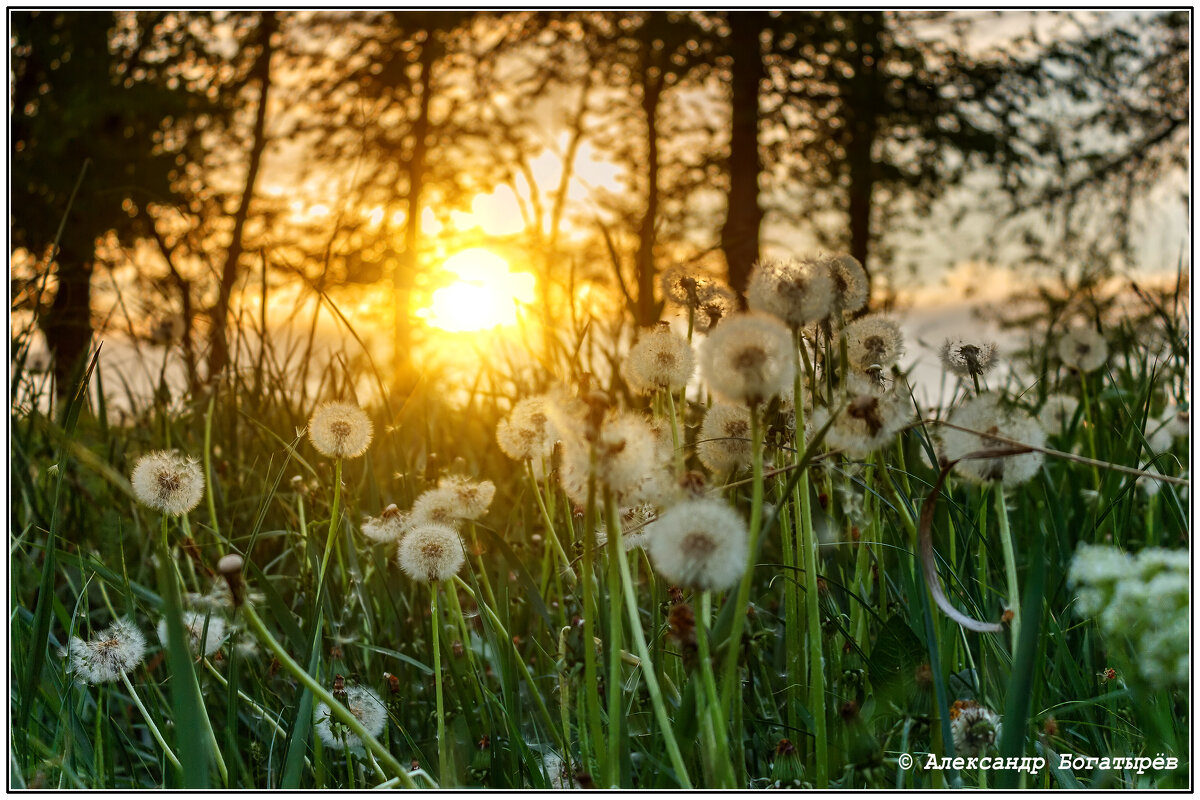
point(158, 737)
point(567, 572)
point(443, 754)
point(612, 686)
point(647, 668)
point(336, 708)
point(675, 438)
point(733, 647)
point(253, 706)
point(209, 491)
point(1010, 563)
point(719, 757)
point(1091, 426)
point(331, 540)
point(590, 678)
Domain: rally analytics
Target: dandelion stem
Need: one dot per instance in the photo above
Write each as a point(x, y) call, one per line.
point(591, 686)
point(715, 719)
point(158, 737)
point(647, 668)
point(1010, 564)
point(443, 755)
point(558, 548)
point(613, 682)
point(675, 432)
point(209, 491)
point(733, 646)
point(332, 538)
point(336, 708)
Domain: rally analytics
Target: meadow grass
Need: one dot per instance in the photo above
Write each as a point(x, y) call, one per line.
point(553, 658)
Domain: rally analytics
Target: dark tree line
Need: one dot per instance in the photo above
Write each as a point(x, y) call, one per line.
point(848, 125)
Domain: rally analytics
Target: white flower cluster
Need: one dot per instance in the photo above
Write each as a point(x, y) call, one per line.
point(1144, 597)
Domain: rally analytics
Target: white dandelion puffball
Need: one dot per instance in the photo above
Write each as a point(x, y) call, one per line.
point(873, 341)
point(975, 728)
point(1144, 599)
point(661, 359)
point(431, 553)
point(799, 292)
point(168, 482)
point(366, 706)
point(474, 499)
point(724, 444)
point(199, 642)
point(986, 415)
point(526, 433)
point(1058, 412)
point(965, 357)
point(114, 651)
point(634, 522)
point(870, 420)
point(701, 544)
point(1083, 348)
point(387, 527)
point(1178, 421)
point(851, 287)
point(627, 458)
point(749, 359)
point(717, 302)
point(340, 430)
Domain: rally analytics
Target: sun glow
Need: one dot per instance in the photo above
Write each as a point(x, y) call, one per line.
point(485, 295)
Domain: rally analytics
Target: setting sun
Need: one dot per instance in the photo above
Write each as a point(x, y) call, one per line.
point(485, 295)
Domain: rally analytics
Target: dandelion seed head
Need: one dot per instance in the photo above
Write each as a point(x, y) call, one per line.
point(967, 357)
point(438, 506)
point(661, 359)
point(389, 526)
point(724, 444)
point(113, 651)
point(975, 728)
point(474, 497)
point(1058, 412)
point(366, 706)
point(431, 552)
point(870, 420)
point(525, 433)
point(984, 413)
point(634, 521)
point(1178, 421)
point(200, 643)
point(700, 543)
point(799, 292)
point(627, 457)
point(748, 359)
point(1083, 348)
point(717, 302)
point(873, 341)
point(683, 286)
point(168, 481)
point(850, 284)
point(340, 430)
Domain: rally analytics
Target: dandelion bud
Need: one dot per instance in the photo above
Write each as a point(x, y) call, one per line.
point(168, 482)
point(699, 543)
point(799, 292)
point(988, 418)
point(340, 430)
point(431, 553)
point(1083, 348)
point(230, 566)
point(114, 651)
point(749, 359)
point(366, 706)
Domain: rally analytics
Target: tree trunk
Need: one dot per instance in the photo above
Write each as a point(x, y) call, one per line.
point(218, 356)
point(743, 220)
point(866, 102)
point(647, 310)
point(67, 324)
point(404, 275)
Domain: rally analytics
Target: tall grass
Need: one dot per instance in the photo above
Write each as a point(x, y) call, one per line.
point(522, 673)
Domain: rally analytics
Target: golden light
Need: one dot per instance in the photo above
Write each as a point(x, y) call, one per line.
point(485, 295)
